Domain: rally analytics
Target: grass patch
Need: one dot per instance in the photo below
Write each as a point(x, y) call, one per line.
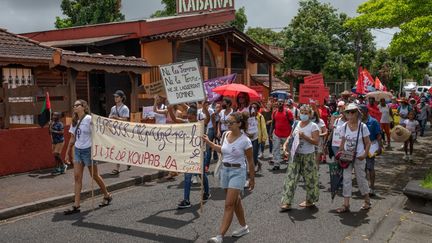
point(427, 182)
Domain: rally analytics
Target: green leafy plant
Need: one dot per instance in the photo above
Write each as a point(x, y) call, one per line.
point(427, 182)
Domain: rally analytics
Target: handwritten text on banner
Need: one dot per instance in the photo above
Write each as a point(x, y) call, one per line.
point(171, 147)
point(183, 82)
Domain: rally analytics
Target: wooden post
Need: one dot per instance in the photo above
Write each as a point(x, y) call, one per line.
point(270, 77)
point(6, 105)
point(134, 95)
point(202, 49)
point(246, 70)
point(226, 52)
point(71, 77)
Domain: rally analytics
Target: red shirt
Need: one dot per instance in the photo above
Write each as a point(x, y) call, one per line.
point(282, 122)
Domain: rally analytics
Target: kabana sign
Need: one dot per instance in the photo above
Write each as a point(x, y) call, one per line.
point(175, 147)
point(183, 82)
point(191, 6)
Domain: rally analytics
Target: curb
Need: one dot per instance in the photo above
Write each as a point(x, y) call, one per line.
point(68, 198)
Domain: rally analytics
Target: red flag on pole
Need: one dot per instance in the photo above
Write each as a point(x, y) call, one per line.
point(379, 85)
point(367, 77)
point(360, 82)
point(45, 116)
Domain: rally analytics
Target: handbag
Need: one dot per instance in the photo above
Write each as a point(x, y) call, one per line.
point(345, 158)
point(219, 163)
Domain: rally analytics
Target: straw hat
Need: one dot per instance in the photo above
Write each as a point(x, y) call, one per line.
point(400, 134)
point(345, 93)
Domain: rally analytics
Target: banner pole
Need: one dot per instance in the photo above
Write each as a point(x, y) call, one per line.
point(92, 184)
point(202, 170)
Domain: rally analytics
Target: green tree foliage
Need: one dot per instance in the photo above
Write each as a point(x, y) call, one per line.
point(83, 12)
point(266, 36)
point(170, 9)
point(317, 40)
point(240, 20)
point(413, 17)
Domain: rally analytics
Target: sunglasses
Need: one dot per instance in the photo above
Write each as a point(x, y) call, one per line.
point(351, 111)
point(76, 105)
point(229, 123)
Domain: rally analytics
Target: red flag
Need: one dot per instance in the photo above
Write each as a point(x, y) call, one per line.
point(368, 80)
point(360, 82)
point(45, 115)
point(379, 85)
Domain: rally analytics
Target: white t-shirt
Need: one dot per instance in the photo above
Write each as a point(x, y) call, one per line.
point(304, 146)
point(337, 138)
point(385, 113)
point(411, 125)
point(223, 118)
point(160, 118)
point(122, 111)
point(83, 134)
point(202, 116)
point(350, 138)
point(234, 153)
point(253, 127)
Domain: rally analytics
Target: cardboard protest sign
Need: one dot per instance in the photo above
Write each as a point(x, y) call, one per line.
point(183, 82)
point(210, 84)
point(316, 79)
point(155, 88)
point(171, 147)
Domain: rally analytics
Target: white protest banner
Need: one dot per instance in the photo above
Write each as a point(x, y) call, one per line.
point(170, 147)
point(183, 82)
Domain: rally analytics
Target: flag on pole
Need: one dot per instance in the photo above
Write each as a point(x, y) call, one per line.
point(379, 86)
point(367, 77)
point(45, 115)
point(360, 83)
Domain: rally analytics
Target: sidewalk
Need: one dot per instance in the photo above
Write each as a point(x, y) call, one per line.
point(39, 190)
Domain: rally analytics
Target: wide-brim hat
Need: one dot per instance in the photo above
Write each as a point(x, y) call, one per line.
point(400, 134)
point(346, 92)
point(351, 107)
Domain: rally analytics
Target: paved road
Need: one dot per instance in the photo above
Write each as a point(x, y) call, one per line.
point(147, 213)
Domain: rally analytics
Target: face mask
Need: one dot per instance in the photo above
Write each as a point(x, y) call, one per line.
point(304, 117)
point(224, 106)
point(252, 110)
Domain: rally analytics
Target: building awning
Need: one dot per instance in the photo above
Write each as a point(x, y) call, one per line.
point(16, 49)
point(277, 84)
point(88, 62)
point(213, 31)
point(96, 41)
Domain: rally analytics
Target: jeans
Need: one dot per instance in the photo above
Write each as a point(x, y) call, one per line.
point(422, 126)
point(188, 184)
point(262, 145)
point(255, 149)
point(207, 157)
point(278, 142)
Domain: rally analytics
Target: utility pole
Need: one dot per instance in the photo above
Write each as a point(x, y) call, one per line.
point(358, 49)
point(400, 75)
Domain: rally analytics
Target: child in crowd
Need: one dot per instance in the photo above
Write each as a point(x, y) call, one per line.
point(56, 131)
point(413, 126)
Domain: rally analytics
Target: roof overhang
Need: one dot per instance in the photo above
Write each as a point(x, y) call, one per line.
point(277, 84)
point(98, 62)
point(96, 41)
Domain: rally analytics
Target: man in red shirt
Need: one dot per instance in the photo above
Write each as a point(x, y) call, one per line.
point(283, 120)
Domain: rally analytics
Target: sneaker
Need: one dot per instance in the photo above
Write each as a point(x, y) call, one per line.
point(216, 239)
point(240, 232)
point(184, 204)
point(372, 193)
point(261, 156)
point(246, 184)
point(271, 156)
point(63, 169)
point(405, 157)
point(276, 167)
point(194, 179)
point(206, 197)
point(410, 157)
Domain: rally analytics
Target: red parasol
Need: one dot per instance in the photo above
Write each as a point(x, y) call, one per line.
point(234, 89)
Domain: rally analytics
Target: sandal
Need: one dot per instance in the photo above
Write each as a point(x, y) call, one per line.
point(106, 201)
point(366, 206)
point(74, 210)
point(285, 207)
point(343, 209)
point(115, 172)
point(305, 204)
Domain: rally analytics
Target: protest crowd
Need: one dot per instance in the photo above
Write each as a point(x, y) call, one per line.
point(346, 132)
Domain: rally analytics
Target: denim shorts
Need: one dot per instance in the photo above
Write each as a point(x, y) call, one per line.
point(83, 156)
point(232, 177)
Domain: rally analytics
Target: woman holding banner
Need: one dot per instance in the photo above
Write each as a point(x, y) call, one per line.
point(192, 116)
point(236, 151)
point(81, 138)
